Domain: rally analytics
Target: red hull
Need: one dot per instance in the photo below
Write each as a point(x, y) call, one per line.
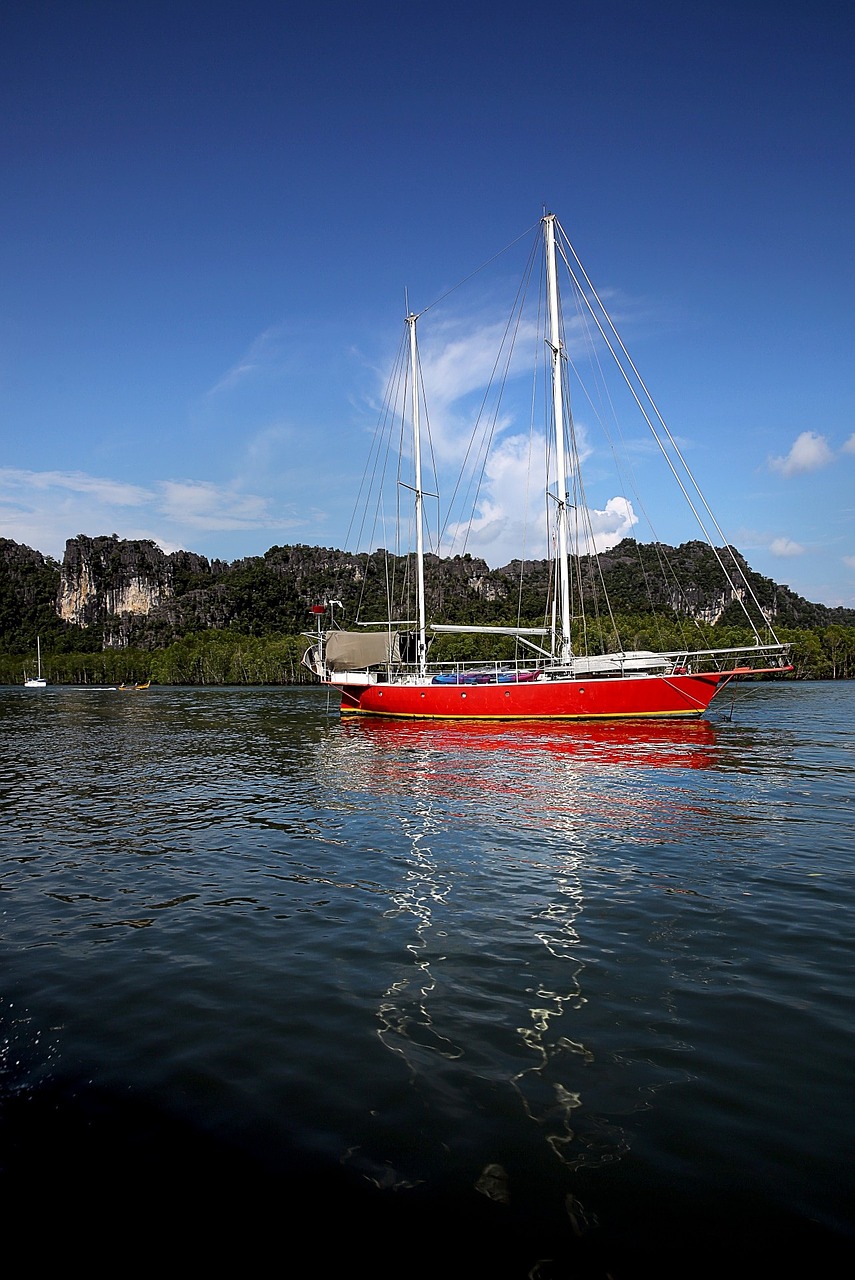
point(605, 699)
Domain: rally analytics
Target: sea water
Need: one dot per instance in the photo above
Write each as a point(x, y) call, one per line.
point(430, 999)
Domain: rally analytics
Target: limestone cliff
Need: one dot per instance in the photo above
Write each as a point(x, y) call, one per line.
point(105, 578)
point(113, 592)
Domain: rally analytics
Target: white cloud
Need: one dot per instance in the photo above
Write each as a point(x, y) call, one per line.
point(809, 452)
point(506, 507)
point(849, 561)
point(614, 522)
point(202, 505)
point(44, 509)
point(511, 517)
point(849, 446)
point(265, 449)
point(457, 363)
point(459, 357)
point(786, 547)
point(97, 488)
point(264, 355)
point(458, 360)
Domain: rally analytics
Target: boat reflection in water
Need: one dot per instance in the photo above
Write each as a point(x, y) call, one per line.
point(496, 834)
point(668, 744)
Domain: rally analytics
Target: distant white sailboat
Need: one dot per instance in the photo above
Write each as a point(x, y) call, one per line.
point(37, 682)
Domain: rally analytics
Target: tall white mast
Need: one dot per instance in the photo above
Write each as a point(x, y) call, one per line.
point(417, 457)
point(565, 651)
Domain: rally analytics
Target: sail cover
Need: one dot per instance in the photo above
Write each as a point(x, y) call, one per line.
point(352, 650)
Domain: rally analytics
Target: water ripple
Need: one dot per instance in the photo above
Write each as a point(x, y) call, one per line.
point(601, 969)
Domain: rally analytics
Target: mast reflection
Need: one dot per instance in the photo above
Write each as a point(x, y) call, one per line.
point(493, 829)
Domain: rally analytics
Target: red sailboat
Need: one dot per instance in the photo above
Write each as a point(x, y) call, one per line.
point(383, 669)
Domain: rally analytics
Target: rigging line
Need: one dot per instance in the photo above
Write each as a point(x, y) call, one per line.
point(579, 583)
point(670, 578)
point(477, 270)
point(531, 434)
point(390, 585)
point(594, 564)
point(641, 382)
point(667, 456)
point(550, 612)
point(375, 484)
point(389, 565)
point(401, 543)
point(393, 392)
point(672, 441)
point(440, 573)
point(626, 478)
point(670, 574)
point(625, 475)
point(430, 448)
point(512, 323)
point(489, 435)
point(375, 450)
point(587, 572)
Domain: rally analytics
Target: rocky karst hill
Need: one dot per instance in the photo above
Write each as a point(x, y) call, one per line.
point(111, 592)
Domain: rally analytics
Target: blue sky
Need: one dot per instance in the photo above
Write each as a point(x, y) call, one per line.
point(210, 213)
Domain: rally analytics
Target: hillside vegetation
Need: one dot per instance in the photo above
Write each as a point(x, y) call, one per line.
point(118, 610)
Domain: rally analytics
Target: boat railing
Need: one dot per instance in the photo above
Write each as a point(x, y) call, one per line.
point(740, 659)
